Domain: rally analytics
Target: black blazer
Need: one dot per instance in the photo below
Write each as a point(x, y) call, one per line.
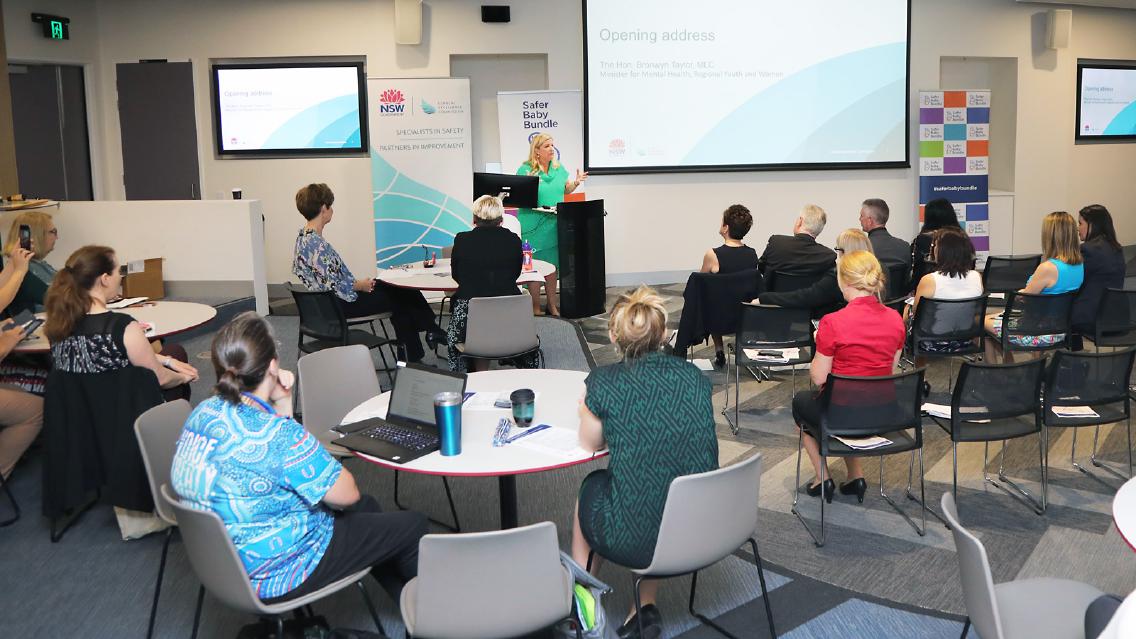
point(889, 249)
point(1104, 268)
point(798, 254)
point(486, 262)
point(821, 298)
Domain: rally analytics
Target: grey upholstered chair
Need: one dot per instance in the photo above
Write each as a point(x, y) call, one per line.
point(334, 381)
point(500, 327)
point(491, 584)
point(1024, 608)
point(706, 518)
point(215, 560)
point(158, 430)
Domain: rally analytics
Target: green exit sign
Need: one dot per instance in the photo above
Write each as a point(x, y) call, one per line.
point(54, 27)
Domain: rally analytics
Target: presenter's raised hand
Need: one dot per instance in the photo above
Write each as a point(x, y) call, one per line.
point(580, 177)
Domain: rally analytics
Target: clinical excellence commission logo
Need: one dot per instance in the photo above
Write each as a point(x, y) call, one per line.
point(392, 102)
point(616, 148)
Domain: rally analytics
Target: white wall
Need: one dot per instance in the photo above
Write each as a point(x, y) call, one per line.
point(658, 223)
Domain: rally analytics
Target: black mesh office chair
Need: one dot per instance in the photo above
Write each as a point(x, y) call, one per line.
point(1098, 381)
point(947, 328)
point(1029, 316)
point(765, 327)
point(782, 282)
point(1006, 273)
point(858, 407)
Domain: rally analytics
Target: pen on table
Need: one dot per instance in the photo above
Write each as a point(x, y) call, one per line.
point(535, 429)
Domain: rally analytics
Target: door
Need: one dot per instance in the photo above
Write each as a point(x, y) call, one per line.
point(49, 120)
point(159, 131)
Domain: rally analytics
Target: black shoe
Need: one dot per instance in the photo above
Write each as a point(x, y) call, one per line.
point(719, 359)
point(855, 487)
point(813, 490)
point(652, 624)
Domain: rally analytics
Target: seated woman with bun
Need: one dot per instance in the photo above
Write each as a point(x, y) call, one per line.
point(293, 512)
point(651, 442)
point(865, 339)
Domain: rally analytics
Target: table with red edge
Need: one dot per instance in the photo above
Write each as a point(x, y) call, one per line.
point(1124, 512)
point(439, 277)
point(557, 402)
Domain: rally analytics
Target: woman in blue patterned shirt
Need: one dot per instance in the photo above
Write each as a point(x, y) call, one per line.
point(320, 268)
point(294, 513)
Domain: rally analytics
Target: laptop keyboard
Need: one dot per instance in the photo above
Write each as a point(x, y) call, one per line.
point(405, 437)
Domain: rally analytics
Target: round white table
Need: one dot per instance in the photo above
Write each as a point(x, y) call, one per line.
point(1124, 512)
point(558, 395)
point(438, 277)
point(167, 318)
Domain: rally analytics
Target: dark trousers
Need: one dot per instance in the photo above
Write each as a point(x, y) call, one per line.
point(410, 314)
point(365, 537)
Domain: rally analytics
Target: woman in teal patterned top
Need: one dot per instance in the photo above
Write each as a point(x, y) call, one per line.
point(537, 227)
point(653, 412)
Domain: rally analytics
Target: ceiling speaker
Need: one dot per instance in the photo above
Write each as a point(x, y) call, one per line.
point(1058, 28)
point(408, 21)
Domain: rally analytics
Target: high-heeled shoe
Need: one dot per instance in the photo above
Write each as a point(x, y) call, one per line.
point(855, 487)
point(813, 490)
point(652, 625)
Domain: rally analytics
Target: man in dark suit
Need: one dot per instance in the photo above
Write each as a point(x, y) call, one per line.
point(890, 250)
point(799, 253)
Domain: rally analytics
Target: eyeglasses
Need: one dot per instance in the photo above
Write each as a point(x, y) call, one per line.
point(839, 250)
point(54, 232)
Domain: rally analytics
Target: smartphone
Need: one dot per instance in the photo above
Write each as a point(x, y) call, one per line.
point(31, 328)
point(23, 317)
point(25, 237)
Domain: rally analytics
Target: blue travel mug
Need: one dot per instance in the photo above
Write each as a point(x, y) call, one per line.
point(448, 418)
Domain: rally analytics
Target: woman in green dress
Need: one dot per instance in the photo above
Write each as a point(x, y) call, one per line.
point(653, 412)
point(538, 227)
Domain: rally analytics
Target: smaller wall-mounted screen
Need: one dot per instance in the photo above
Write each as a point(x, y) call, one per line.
point(312, 108)
point(1106, 101)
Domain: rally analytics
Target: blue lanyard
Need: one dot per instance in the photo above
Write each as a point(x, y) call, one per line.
point(259, 402)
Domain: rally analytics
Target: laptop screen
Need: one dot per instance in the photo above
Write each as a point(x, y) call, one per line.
point(414, 391)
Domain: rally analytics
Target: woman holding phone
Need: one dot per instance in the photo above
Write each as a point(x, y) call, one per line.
point(21, 413)
point(39, 238)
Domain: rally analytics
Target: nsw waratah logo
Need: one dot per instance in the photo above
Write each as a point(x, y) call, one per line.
point(616, 148)
point(392, 102)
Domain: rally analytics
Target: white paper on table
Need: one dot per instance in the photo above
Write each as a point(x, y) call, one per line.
point(123, 303)
point(1074, 411)
point(561, 442)
point(397, 273)
point(864, 443)
point(786, 355)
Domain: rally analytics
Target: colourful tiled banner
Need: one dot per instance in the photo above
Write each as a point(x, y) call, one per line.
point(954, 143)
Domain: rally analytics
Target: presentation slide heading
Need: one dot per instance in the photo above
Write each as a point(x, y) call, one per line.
point(639, 35)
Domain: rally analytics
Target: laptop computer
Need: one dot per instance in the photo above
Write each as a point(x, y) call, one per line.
point(409, 430)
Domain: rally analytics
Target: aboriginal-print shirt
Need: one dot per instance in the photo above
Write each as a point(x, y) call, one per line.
point(95, 345)
point(264, 476)
point(320, 268)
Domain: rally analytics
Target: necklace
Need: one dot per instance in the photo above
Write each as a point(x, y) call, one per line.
point(253, 400)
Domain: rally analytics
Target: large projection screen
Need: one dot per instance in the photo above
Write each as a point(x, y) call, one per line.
point(715, 85)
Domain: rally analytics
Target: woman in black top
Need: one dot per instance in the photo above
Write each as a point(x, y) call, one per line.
point(1104, 268)
point(485, 262)
point(732, 256)
point(937, 214)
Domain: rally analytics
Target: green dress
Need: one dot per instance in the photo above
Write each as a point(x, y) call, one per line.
point(540, 228)
point(658, 422)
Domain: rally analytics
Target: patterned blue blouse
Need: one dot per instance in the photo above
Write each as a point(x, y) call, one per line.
point(264, 476)
point(320, 268)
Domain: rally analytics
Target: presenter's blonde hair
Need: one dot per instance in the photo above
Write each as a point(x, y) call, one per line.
point(813, 219)
point(638, 322)
point(862, 271)
point(1059, 239)
point(488, 210)
point(851, 240)
point(534, 165)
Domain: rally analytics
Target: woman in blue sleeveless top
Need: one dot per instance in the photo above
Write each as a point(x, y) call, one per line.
point(1061, 270)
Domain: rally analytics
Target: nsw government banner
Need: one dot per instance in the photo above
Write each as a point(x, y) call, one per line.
point(954, 158)
point(421, 159)
point(522, 115)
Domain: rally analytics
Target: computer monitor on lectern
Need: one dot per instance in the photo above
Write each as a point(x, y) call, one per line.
point(516, 191)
